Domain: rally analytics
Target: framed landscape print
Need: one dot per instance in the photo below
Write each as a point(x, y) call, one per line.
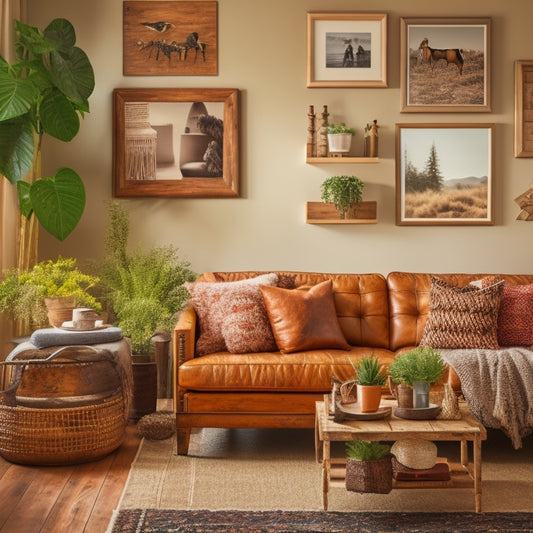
point(176, 143)
point(170, 38)
point(523, 133)
point(346, 50)
point(445, 65)
point(444, 174)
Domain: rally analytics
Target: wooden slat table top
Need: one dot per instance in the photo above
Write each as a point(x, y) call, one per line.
point(393, 428)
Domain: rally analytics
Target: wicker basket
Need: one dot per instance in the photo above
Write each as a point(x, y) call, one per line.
point(369, 476)
point(42, 435)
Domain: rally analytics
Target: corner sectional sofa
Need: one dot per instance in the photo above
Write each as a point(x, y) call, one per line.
point(276, 388)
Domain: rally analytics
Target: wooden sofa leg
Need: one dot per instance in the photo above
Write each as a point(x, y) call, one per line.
point(183, 436)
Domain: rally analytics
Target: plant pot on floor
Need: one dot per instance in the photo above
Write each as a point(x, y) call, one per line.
point(144, 397)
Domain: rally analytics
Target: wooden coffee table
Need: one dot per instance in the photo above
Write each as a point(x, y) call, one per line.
point(464, 475)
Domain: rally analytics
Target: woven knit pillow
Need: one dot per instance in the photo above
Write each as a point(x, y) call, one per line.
point(304, 319)
point(462, 317)
point(213, 302)
point(515, 317)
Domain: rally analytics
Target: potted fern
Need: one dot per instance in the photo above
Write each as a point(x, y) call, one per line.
point(419, 368)
point(368, 467)
point(370, 380)
point(145, 291)
point(344, 192)
point(27, 295)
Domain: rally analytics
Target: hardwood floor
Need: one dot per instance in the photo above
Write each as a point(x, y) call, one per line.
point(73, 499)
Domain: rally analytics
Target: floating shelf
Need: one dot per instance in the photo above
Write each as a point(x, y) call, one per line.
point(338, 160)
point(323, 213)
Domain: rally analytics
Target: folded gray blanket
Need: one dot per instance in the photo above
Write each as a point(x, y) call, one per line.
point(498, 387)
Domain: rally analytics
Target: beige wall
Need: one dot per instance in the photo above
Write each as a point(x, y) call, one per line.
point(262, 47)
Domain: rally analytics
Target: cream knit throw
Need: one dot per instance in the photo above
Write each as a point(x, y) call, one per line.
point(498, 387)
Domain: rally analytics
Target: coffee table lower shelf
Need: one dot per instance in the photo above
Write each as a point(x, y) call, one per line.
point(461, 478)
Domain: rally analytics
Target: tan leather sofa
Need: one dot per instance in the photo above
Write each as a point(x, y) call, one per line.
point(378, 315)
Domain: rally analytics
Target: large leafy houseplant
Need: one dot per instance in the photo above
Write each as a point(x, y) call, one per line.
point(23, 293)
point(45, 90)
point(145, 288)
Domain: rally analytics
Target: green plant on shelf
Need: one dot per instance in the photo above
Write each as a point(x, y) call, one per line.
point(340, 128)
point(342, 191)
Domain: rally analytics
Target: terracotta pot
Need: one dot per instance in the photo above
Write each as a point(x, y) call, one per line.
point(60, 309)
point(368, 397)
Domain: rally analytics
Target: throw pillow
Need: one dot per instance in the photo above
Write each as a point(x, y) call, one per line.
point(212, 303)
point(515, 317)
point(462, 317)
point(304, 320)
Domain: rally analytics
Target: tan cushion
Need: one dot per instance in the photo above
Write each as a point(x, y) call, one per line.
point(462, 317)
point(304, 320)
point(220, 306)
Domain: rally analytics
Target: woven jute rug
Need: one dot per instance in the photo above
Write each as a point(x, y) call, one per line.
point(248, 472)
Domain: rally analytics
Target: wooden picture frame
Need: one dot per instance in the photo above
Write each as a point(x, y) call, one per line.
point(445, 65)
point(444, 174)
point(176, 143)
point(346, 50)
point(523, 111)
point(170, 38)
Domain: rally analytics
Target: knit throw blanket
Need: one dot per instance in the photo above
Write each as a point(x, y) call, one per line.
point(498, 387)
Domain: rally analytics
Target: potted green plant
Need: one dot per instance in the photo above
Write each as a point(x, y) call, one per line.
point(345, 192)
point(340, 138)
point(419, 368)
point(370, 380)
point(24, 294)
point(145, 291)
point(45, 90)
point(368, 467)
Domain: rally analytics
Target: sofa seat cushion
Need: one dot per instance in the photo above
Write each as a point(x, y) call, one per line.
point(309, 371)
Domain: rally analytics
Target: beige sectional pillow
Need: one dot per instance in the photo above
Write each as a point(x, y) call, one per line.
point(462, 317)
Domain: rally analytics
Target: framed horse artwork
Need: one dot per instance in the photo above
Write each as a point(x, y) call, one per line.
point(445, 65)
point(346, 50)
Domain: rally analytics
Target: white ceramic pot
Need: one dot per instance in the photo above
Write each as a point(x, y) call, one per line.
point(339, 142)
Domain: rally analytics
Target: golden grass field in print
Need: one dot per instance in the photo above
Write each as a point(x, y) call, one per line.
point(451, 203)
point(443, 85)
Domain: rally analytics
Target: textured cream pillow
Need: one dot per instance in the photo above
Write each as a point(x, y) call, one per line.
point(462, 317)
point(223, 309)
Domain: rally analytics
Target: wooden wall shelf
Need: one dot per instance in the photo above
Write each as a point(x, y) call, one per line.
point(340, 160)
point(323, 213)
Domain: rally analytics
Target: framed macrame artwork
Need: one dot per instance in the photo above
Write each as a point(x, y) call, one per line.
point(170, 38)
point(175, 143)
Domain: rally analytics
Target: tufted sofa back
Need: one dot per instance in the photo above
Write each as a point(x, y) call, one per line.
point(409, 301)
point(361, 301)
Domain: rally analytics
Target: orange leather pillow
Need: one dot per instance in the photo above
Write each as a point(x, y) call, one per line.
point(304, 320)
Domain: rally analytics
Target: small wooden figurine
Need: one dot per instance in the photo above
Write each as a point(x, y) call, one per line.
point(311, 141)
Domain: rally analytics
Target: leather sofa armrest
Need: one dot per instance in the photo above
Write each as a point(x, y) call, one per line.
point(184, 336)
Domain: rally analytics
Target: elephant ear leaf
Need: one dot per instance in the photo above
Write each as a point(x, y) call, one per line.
point(58, 202)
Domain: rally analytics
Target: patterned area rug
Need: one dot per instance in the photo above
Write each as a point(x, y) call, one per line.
point(165, 520)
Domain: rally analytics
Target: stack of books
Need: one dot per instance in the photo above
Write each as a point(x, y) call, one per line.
point(440, 472)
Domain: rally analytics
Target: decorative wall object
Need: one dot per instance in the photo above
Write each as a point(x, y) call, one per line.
point(523, 133)
point(170, 38)
point(346, 50)
point(445, 65)
point(176, 143)
point(525, 202)
point(444, 174)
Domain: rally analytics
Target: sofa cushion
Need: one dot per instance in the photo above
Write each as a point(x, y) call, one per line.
point(462, 317)
point(220, 305)
point(304, 320)
point(307, 371)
